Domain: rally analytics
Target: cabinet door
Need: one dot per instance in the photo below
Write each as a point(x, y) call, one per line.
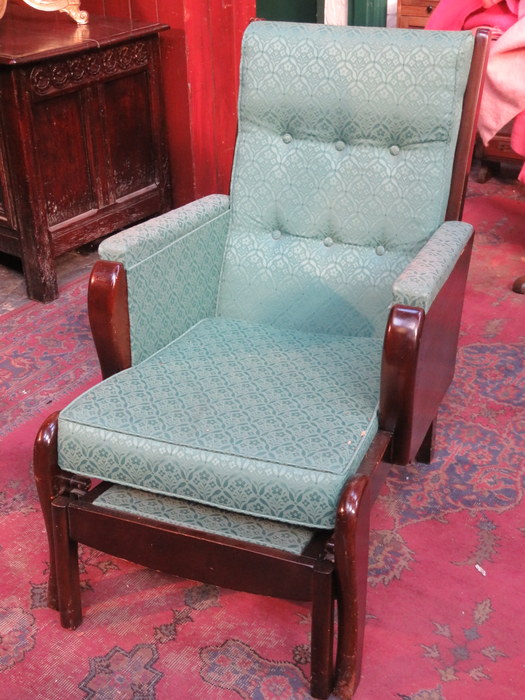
point(62, 136)
point(128, 133)
point(7, 215)
point(3, 188)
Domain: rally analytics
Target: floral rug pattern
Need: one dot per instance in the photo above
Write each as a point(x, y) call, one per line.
point(446, 574)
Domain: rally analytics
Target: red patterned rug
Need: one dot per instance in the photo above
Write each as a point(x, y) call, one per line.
point(445, 612)
point(47, 353)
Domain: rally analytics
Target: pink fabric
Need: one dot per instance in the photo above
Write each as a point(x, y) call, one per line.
point(504, 92)
point(454, 15)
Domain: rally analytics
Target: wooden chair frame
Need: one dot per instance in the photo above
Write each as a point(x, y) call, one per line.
point(416, 372)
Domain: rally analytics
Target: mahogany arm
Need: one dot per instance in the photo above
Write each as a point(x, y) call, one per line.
point(108, 316)
point(419, 356)
point(350, 542)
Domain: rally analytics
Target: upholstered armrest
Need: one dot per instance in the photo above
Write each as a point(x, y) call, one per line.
point(419, 351)
point(139, 242)
point(172, 264)
point(420, 282)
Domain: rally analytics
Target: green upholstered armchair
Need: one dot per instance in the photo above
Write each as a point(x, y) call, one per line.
point(267, 355)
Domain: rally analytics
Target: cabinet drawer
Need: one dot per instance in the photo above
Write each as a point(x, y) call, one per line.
point(412, 22)
point(499, 148)
point(414, 14)
point(417, 7)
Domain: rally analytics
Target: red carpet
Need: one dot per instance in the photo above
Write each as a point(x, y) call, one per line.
point(445, 612)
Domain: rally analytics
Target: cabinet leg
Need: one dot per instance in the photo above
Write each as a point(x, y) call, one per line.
point(40, 276)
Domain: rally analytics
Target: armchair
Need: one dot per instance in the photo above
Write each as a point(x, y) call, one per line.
point(253, 400)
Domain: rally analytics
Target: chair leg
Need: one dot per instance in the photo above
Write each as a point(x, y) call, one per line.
point(66, 558)
point(46, 470)
point(351, 539)
point(322, 629)
point(425, 454)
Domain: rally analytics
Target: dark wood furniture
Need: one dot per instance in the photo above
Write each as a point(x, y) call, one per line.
point(414, 14)
point(497, 151)
point(417, 367)
point(82, 150)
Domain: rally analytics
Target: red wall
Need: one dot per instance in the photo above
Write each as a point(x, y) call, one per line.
point(200, 62)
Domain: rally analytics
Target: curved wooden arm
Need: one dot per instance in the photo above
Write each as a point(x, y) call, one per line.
point(398, 375)
point(109, 317)
point(351, 541)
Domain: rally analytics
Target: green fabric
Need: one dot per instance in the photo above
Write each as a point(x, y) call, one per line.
point(173, 264)
point(259, 420)
point(419, 284)
point(309, 285)
point(346, 142)
point(267, 533)
point(139, 242)
point(257, 322)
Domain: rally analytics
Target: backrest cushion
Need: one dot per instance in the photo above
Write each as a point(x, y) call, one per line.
point(342, 169)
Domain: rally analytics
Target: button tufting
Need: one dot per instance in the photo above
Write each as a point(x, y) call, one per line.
point(328, 241)
point(287, 138)
point(394, 150)
point(339, 145)
point(380, 250)
point(276, 235)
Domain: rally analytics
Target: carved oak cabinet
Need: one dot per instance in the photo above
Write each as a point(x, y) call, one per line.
point(82, 150)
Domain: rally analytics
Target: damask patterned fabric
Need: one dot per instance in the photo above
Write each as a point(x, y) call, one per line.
point(203, 518)
point(346, 142)
point(257, 329)
point(309, 285)
point(255, 419)
point(137, 243)
point(419, 284)
point(173, 265)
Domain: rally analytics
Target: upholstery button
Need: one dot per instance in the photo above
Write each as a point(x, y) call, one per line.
point(394, 150)
point(339, 145)
point(328, 241)
point(276, 235)
point(287, 138)
point(380, 250)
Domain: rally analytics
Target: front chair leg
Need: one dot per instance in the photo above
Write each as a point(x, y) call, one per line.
point(351, 542)
point(63, 591)
point(66, 560)
point(322, 629)
point(46, 471)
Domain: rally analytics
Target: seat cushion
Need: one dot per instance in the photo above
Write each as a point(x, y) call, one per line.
point(249, 418)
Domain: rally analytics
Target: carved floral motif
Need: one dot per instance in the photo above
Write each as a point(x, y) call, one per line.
point(72, 71)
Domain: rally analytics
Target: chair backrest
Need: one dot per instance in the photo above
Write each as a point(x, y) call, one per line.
point(342, 169)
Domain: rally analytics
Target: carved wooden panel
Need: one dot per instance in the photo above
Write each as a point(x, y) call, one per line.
point(6, 208)
point(131, 165)
point(79, 71)
point(61, 132)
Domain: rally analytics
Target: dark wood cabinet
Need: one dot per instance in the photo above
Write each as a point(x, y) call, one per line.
point(82, 148)
point(414, 14)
